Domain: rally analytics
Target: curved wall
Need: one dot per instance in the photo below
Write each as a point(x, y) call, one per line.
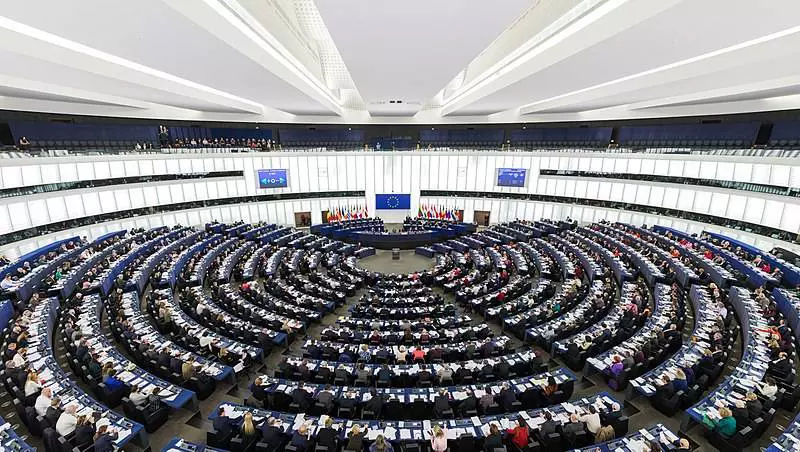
point(397, 172)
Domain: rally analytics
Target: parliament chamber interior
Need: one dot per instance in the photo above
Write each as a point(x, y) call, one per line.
point(371, 226)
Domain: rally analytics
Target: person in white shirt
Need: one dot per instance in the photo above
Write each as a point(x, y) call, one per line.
point(32, 385)
point(592, 420)
point(205, 341)
point(43, 401)
point(401, 354)
point(138, 397)
point(7, 283)
point(67, 421)
point(769, 388)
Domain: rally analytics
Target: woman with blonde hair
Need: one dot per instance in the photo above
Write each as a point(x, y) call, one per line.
point(438, 438)
point(355, 438)
point(32, 386)
point(604, 434)
point(725, 425)
point(381, 445)
point(248, 427)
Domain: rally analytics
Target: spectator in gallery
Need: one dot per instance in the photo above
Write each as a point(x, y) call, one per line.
point(24, 143)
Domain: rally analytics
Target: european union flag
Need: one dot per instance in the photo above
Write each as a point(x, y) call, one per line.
point(392, 201)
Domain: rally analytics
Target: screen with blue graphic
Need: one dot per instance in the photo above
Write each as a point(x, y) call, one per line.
point(390, 201)
point(511, 177)
point(272, 178)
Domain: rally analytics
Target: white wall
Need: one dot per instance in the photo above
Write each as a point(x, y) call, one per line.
point(504, 210)
point(397, 172)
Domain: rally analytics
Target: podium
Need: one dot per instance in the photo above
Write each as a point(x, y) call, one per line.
point(395, 254)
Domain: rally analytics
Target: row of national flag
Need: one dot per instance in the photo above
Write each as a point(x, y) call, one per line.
point(439, 213)
point(343, 213)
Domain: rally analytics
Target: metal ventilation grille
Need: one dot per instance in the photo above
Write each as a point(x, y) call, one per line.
point(337, 77)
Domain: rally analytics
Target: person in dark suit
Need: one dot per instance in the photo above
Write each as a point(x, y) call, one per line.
point(327, 436)
point(385, 374)
point(84, 431)
point(502, 370)
point(103, 440)
point(325, 397)
point(272, 434)
point(468, 404)
point(740, 413)
point(301, 397)
point(665, 390)
point(222, 424)
point(53, 411)
point(613, 415)
point(494, 440)
point(375, 403)
point(258, 390)
point(754, 406)
point(506, 397)
point(441, 403)
point(780, 366)
point(300, 439)
point(573, 427)
point(348, 401)
point(548, 426)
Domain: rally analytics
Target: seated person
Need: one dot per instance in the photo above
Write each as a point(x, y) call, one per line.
point(519, 434)
point(302, 438)
point(725, 425)
point(222, 423)
point(327, 436)
point(271, 433)
point(111, 381)
point(249, 431)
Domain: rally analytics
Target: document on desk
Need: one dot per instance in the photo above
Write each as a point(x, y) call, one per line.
point(405, 434)
point(373, 433)
point(476, 421)
point(390, 433)
point(122, 435)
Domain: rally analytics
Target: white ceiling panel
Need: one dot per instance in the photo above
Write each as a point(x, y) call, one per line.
point(684, 31)
point(410, 50)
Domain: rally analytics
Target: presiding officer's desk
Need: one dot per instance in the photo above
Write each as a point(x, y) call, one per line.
point(370, 233)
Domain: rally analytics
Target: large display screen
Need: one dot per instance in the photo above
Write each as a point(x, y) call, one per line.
point(390, 201)
point(511, 177)
point(272, 178)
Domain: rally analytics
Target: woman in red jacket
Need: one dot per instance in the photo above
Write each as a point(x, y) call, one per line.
point(519, 434)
